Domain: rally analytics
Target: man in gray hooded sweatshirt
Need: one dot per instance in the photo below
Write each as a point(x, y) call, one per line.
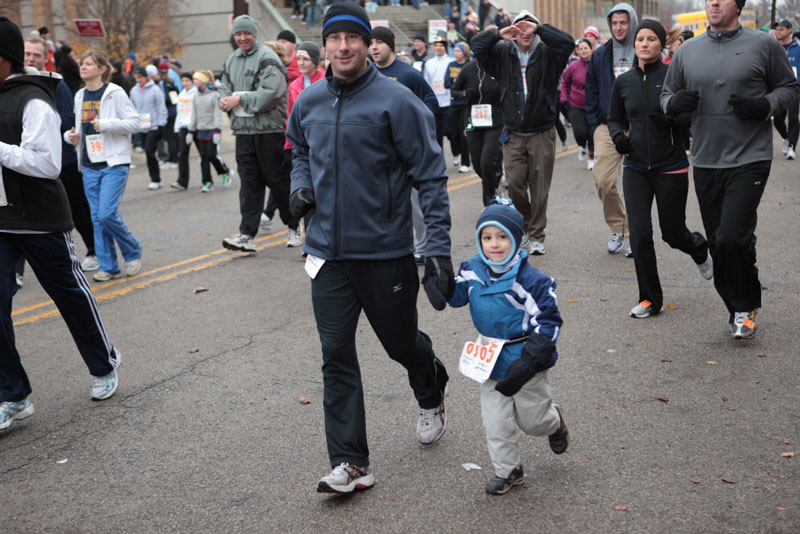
point(732, 79)
point(615, 57)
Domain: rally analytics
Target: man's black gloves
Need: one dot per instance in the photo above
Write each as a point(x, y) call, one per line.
point(662, 121)
point(747, 108)
point(623, 144)
point(537, 355)
point(684, 101)
point(301, 202)
point(438, 281)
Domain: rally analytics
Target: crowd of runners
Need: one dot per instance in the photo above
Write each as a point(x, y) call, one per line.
point(346, 139)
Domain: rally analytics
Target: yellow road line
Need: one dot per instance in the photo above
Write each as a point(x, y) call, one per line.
point(163, 278)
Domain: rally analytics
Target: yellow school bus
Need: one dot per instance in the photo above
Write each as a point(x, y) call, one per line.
point(698, 22)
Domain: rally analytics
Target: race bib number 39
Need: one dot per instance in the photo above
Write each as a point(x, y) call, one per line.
point(479, 358)
point(94, 147)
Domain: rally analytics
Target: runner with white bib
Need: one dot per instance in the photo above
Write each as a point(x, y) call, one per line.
point(515, 310)
point(103, 143)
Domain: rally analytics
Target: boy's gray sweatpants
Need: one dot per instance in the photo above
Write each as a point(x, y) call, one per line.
point(531, 409)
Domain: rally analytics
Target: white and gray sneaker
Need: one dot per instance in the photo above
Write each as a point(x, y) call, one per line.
point(743, 325)
point(537, 248)
point(707, 268)
point(295, 238)
point(104, 387)
point(346, 478)
point(432, 423)
point(790, 153)
point(89, 264)
point(644, 309)
point(616, 243)
point(240, 242)
point(266, 221)
point(785, 146)
point(11, 411)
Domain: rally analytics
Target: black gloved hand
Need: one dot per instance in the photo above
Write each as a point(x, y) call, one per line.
point(438, 281)
point(747, 108)
point(662, 121)
point(684, 101)
point(623, 144)
point(537, 356)
point(301, 202)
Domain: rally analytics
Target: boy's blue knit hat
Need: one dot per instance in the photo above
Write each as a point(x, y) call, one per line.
point(507, 218)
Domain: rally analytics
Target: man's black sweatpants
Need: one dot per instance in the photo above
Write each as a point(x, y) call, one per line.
point(729, 201)
point(387, 292)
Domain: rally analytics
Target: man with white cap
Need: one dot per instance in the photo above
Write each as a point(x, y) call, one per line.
point(527, 59)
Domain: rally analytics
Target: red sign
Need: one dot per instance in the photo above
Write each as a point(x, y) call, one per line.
point(90, 28)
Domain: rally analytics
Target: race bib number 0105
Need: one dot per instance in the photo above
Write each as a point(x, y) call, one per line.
point(479, 358)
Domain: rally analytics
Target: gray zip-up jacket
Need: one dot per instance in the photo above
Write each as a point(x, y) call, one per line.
point(741, 62)
point(206, 114)
point(259, 78)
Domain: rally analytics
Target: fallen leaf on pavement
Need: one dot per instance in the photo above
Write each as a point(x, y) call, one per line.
point(731, 409)
point(712, 362)
point(785, 439)
point(666, 361)
point(630, 270)
point(471, 467)
point(192, 351)
point(787, 454)
point(780, 508)
point(610, 351)
point(621, 508)
point(672, 305)
point(662, 397)
point(603, 300)
point(694, 480)
point(304, 400)
point(734, 372)
point(762, 354)
point(728, 480)
point(62, 461)
point(572, 301)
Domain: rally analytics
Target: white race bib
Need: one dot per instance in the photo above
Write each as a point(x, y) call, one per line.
point(94, 147)
point(173, 97)
point(144, 119)
point(794, 69)
point(619, 71)
point(313, 265)
point(417, 65)
point(482, 116)
point(185, 109)
point(479, 358)
point(438, 87)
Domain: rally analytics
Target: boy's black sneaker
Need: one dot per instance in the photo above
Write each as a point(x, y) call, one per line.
point(500, 486)
point(559, 440)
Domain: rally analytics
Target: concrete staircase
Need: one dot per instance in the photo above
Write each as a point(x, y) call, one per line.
point(404, 21)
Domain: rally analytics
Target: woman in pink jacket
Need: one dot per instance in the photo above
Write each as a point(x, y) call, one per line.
point(573, 84)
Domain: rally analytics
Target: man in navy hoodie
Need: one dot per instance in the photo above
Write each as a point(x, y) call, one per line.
point(361, 141)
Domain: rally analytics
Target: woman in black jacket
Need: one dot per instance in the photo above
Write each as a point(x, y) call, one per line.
point(655, 165)
point(484, 124)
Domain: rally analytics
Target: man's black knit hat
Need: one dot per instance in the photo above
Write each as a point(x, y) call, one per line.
point(287, 35)
point(384, 34)
point(12, 47)
point(347, 16)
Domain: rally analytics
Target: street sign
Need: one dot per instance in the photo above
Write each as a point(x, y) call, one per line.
point(90, 28)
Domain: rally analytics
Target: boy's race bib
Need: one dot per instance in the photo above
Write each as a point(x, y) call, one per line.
point(479, 357)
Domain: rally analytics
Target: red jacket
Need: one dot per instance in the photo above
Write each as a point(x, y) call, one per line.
point(295, 88)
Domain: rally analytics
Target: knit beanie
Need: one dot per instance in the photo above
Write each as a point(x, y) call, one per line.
point(140, 70)
point(151, 70)
point(245, 23)
point(311, 49)
point(740, 4)
point(507, 218)
point(12, 47)
point(420, 37)
point(656, 27)
point(287, 35)
point(384, 34)
point(346, 16)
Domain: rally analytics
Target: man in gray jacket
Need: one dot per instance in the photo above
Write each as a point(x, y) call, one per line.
point(732, 79)
point(254, 91)
point(361, 142)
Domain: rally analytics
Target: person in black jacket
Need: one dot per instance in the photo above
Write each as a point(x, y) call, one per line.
point(484, 124)
point(655, 165)
point(527, 59)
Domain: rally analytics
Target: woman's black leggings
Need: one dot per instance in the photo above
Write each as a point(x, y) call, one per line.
point(484, 147)
point(577, 116)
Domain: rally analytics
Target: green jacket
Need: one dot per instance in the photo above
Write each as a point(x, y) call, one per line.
point(259, 78)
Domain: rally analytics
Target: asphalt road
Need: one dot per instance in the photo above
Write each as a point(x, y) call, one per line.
point(206, 432)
